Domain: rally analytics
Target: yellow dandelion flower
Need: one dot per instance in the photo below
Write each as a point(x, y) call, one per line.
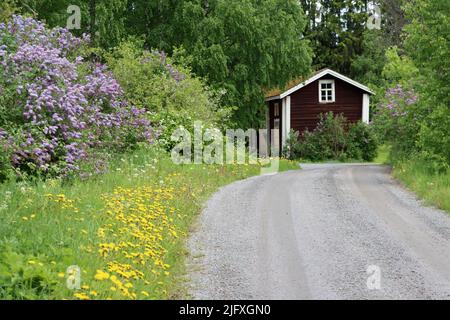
point(101, 275)
point(81, 296)
point(128, 285)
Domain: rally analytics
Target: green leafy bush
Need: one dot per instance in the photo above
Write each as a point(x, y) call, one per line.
point(7, 9)
point(5, 164)
point(58, 109)
point(333, 139)
point(330, 132)
point(172, 96)
point(362, 144)
point(414, 114)
point(24, 277)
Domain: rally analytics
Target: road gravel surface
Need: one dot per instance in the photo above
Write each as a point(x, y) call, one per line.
point(328, 231)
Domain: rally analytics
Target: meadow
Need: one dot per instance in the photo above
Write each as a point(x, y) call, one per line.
point(125, 230)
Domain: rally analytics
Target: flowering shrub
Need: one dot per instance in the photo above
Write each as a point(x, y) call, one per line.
point(415, 127)
point(55, 108)
point(362, 142)
point(333, 139)
point(171, 94)
point(398, 101)
point(397, 118)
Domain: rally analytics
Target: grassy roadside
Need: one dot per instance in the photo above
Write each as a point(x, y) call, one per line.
point(433, 188)
point(125, 230)
point(383, 154)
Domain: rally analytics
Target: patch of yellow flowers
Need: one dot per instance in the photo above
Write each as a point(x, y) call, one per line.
point(63, 200)
point(138, 226)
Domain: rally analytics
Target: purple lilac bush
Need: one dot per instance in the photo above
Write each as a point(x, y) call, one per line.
point(398, 117)
point(173, 72)
point(399, 100)
point(56, 109)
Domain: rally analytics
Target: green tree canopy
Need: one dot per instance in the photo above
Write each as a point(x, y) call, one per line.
point(103, 19)
point(242, 46)
point(336, 29)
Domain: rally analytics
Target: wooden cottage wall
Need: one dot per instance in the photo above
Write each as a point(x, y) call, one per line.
point(306, 108)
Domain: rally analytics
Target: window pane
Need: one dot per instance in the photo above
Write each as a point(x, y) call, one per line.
point(329, 85)
point(276, 124)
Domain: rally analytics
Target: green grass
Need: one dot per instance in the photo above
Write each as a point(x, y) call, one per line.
point(45, 227)
point(383, 154)
point(432, 187)
point(287, 165)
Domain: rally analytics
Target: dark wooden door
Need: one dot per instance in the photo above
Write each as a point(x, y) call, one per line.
point(276, 119)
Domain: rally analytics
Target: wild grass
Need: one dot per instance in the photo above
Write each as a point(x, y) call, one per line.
point(125, 230)
point(383, 153)
point(433, 188)
point(416, 175)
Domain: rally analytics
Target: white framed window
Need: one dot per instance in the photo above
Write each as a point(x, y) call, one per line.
point(276, 123)
point(276, 110)
point(326, 91)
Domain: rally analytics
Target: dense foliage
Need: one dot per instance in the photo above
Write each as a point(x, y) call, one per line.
point(336, 29)
point(244, 47)
point(367, 64)
point(56, 110)
point(240, 46)
point(72, 105)
point(333, 139)
point(414, 116)
point(172, 96)
point(103, 20)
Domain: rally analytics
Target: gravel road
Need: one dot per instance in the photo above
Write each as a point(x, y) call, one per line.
point(313, 234)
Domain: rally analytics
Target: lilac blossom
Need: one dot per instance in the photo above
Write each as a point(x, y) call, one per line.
point(161, 56)
point(399, 100)
point(66, 112)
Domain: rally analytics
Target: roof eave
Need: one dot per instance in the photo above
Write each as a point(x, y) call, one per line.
point(318, 76)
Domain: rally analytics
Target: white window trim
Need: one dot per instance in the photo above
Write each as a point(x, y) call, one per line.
point(333, 91)
point(286, 124)
point(283, 123)
point(366, 108)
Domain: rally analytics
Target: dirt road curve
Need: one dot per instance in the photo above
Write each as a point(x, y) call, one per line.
point(313, 234)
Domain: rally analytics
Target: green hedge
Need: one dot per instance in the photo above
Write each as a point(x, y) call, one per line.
point(333, 139)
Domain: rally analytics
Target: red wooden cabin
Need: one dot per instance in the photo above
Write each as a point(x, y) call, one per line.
point(298, 106)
